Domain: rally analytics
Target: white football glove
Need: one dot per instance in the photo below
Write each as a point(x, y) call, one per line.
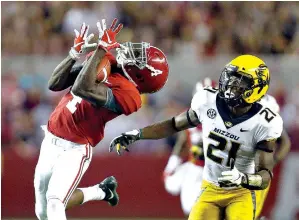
point(173, 162)
point(101, 28)
point(107, 37)
point(81, 43)
point(232, 177)
point(121, 142)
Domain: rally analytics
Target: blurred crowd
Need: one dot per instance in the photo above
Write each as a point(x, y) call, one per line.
point(212, 28)
point(27, 104)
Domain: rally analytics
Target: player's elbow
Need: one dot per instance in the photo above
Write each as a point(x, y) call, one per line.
point(53, 87)
point(96, 99)
point(77, 91)
point(287, 145)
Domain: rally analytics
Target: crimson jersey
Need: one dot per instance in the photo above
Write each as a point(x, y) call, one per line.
point(76, 120)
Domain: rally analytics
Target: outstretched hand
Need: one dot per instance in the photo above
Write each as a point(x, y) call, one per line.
point(81, 42)
point(122, 142)
point(107, 37)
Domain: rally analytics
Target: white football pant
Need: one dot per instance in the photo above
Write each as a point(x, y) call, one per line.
point(60, 167)
point(186, 181)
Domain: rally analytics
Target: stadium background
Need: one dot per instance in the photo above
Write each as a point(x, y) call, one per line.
point(199, 38)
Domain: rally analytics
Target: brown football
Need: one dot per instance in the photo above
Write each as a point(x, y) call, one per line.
point(104, 69)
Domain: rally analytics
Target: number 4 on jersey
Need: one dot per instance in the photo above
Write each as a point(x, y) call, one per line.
point(71, 105)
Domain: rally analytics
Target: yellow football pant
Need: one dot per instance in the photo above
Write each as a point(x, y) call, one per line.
point(261, 196)
point(215, 203)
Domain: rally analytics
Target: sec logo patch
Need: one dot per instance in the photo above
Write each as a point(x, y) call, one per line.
point(211, 113)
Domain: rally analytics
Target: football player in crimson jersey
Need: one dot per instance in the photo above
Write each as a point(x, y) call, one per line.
point(239, 138)
point(185, 179)
point(77, 123)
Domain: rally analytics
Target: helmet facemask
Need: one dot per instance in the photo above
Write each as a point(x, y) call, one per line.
point(234, 86)
point(134, 54)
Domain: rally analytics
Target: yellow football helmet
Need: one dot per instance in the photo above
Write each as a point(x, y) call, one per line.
point(245, 80)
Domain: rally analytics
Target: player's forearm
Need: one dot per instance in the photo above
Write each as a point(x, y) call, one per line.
point(257, 181)
point(87, 76)
point(283, 147)
point(159, 130)
point(264, 165)
point(85, 85)
point(60, 74)
point(169, 127)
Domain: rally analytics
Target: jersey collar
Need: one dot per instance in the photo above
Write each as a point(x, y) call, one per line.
point(232, 121)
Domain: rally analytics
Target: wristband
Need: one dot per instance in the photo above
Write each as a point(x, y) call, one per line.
point(269, 171)
point(74, 54)
point(173, 124)
point(252, 181)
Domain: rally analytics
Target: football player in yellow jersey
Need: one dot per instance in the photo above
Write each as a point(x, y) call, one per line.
point(239, 138)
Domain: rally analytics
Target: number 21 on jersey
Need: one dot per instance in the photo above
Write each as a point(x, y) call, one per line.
point(221, 146)
point(71, 105)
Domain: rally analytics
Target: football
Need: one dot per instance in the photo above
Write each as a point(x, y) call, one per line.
point(104, 69)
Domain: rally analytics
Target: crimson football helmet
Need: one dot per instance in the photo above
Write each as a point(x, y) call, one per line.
point(144, 65)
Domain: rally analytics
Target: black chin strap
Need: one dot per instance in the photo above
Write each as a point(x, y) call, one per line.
point(240, 103)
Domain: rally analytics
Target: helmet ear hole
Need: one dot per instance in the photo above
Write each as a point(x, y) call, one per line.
point(149, 73)
point(248, 93)
point(158, 55)
point(139, 77)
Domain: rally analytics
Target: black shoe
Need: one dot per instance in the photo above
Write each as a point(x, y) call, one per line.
point(109, 186)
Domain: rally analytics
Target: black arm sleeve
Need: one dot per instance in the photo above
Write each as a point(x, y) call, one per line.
point(73, 75)
point(76, 70)
point(262, 145)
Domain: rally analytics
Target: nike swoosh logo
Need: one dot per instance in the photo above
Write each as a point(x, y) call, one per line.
point(109, 41)
point(112, 195)
point(243, 130)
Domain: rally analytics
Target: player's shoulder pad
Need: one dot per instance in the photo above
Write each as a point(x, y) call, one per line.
point(271, 102)
point(270, 124)
point(125, 93)
point(203, 97)
point(268, 117)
